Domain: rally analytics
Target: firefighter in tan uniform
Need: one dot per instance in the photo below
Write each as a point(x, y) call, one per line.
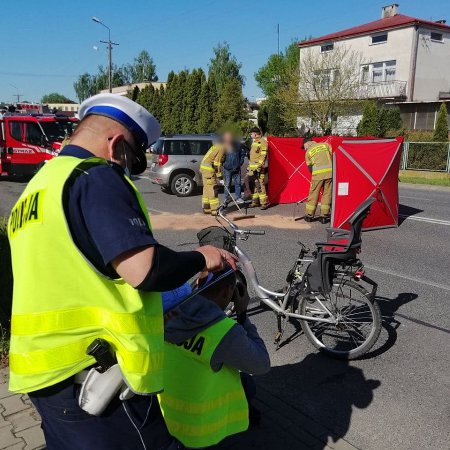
point(211, 170)
point(256, 169)
point(318, 159)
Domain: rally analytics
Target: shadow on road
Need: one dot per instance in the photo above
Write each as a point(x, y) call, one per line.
point(389, 306)
point(316, 395)
point(405, 211)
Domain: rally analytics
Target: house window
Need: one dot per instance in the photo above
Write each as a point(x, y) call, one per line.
point(438, 37)
point(379, 72)
point(379, 38)
point(325, 78)
point(389, 70)
point(327, 47)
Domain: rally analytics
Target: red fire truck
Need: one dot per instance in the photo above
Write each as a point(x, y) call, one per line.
point(28, 140)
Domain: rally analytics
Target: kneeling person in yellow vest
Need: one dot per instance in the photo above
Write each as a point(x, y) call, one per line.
point(204, 400)
point(318, 159)
point(211, 170)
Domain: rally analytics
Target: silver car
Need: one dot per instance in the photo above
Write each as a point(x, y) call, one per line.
point(175, 162)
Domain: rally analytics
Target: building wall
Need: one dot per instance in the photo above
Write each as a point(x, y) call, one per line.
point(433, 66)
point(399, 47)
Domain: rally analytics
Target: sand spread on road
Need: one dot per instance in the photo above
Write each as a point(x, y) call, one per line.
point(198, 221)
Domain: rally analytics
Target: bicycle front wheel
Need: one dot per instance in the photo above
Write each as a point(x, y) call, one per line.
point(358, 321)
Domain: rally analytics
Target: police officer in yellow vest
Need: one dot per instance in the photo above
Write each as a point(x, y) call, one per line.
point(87, 269)
point(211, 170)
point(204, 400)
point(318, 158)
point(256, 169)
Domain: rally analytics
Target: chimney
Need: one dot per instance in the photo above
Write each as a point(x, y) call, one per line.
point(389, 10)
point(442, 21)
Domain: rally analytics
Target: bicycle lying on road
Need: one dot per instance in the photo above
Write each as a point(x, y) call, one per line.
point(327, 290)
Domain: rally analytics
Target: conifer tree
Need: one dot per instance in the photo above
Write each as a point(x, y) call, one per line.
point(441, 130)
point(205, 119)
point(167, 124)
point(370, 121)
point(230, 106)
point(191, 100)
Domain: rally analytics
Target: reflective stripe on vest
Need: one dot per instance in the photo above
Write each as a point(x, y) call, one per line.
point(61, 303)
point(211, 405)
point(207, 168)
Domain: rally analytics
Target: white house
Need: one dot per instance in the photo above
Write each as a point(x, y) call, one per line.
point(405, 61)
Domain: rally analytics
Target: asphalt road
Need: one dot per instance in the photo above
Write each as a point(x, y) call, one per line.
point(398, 396)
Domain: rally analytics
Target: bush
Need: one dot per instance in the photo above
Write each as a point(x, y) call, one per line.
point(429, 155)
point(441, 130)
point(370, 121)
point(6, 277)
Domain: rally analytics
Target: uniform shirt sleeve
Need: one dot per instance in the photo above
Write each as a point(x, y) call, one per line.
point(243, 349)
point(111, 213)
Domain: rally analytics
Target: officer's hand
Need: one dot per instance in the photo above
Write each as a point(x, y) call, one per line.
point(240, 297)
point(217, 258)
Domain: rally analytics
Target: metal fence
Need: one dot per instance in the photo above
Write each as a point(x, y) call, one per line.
point(431, 156)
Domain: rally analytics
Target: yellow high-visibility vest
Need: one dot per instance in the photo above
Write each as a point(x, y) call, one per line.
point(61, 303)
point(202, 407)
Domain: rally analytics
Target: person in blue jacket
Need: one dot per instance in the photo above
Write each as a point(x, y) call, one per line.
point(234, 158)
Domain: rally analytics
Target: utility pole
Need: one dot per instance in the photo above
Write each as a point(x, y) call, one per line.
point(17, 95)
point(109, 44)
point(278, 35)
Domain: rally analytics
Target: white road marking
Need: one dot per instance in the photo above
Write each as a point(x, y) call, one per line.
point(157, 211)
point(407, 277)
point(425, 219)
point(416, 198)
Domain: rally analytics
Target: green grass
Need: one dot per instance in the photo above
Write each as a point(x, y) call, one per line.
point(423, 180)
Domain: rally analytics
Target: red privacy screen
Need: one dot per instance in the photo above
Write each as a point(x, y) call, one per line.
point(363, 169)
point(289, 177)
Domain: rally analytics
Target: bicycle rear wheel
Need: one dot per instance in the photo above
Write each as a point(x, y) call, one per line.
point(358, 325)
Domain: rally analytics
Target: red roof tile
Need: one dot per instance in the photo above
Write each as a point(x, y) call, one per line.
point(397, 21)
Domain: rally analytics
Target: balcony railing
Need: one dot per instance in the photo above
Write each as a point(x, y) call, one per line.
point(383, 89)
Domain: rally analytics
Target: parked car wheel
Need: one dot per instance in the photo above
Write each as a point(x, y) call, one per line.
point(182, 185)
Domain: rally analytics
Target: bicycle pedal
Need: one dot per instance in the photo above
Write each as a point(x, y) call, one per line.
point(278, 337)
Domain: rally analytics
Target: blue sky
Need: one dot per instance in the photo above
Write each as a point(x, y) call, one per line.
point(46, 44)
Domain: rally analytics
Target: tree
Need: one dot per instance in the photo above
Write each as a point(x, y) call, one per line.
point(276, 72)
point(55, 97)
point(224, 67)
point(263, 117)
point(146, 97)
point(275, 123)
point(85, 86)
point(370, 121)
point(142, 69)
point(191, 111)
point(230, 106)
point(328, 86)
point(441, 129)
point(205, 108)
point(168, 124)
point(390, 121)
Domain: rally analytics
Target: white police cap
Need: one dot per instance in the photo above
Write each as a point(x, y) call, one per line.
point(134, 117)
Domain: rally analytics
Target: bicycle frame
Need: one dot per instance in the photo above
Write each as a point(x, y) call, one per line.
point(267, 296)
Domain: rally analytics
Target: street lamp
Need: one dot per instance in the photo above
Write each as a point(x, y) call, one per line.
point(109, 43)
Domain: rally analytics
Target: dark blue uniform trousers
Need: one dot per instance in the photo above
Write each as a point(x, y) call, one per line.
point(133, 424)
